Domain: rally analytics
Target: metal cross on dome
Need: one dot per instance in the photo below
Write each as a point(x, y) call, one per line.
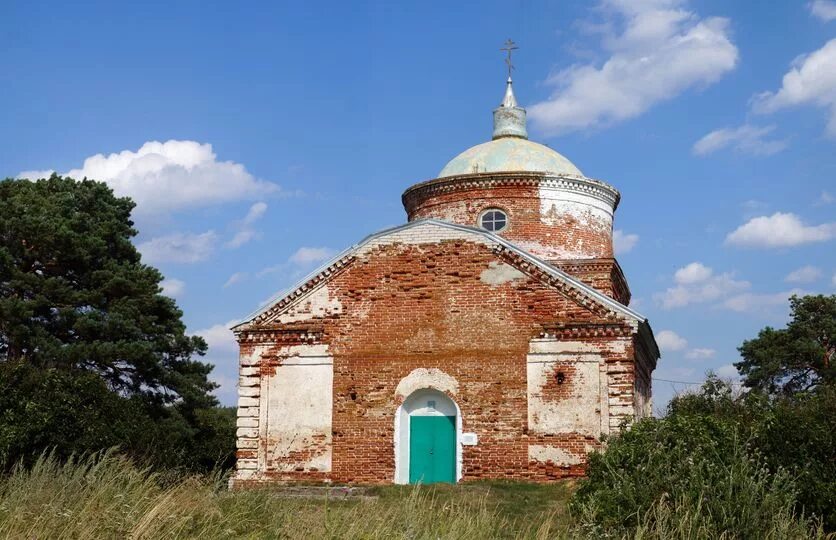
point(509, 46)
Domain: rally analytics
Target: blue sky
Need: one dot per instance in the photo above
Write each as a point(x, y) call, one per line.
point(295, 127)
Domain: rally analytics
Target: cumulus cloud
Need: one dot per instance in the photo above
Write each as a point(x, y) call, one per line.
point(823, 9)
point(692, 273)
point(171, 175)
point(179, 248)
point(656, 50)
point(751, 302)
point(173, 287)
point(805, 274)
point(810, 81)
point(624, 242)
point(668, 341)
point(700, 354)
point(779, 230)
point(746, 139)
point(696, 284)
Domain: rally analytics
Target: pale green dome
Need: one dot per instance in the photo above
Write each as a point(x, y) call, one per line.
point(509, 154)
point(510, 150)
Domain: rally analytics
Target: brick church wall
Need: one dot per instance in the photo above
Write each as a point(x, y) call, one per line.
point(456, 306)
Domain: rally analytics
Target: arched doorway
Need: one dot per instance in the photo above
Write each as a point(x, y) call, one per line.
point(427, 439)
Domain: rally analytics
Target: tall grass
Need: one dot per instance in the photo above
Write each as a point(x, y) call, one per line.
point(108, 497)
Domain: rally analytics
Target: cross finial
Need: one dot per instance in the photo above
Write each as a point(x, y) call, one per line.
point(509, 46)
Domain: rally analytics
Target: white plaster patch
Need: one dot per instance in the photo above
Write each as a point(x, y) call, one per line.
point(558, 456)
point(427, 233)
point(555, 346)
point(498, 273)
point(551, 345)
point(426, 378)
point(318, 303)
point(556, 202)
point(578, 413)
point(298, 401)
point(546, 251)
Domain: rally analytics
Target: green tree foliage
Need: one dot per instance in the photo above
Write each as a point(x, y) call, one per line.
point(731, 463)
point(796, 358)
point(91, 353)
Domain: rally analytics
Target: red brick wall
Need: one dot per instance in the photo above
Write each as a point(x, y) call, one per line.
point(563, 233)
point(424, 306)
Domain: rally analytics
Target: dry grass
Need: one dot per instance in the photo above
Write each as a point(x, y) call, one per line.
point(108, 497)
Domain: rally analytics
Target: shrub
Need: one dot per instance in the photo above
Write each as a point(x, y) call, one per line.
point(685, 477)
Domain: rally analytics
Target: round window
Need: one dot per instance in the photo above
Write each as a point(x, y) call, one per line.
point(493, 219)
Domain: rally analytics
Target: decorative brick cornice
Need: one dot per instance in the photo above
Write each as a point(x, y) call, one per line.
point(579, 296)
point(582, 268)
point(477, 181)
point(586, 330)
point(287, 334)
point(286, 299)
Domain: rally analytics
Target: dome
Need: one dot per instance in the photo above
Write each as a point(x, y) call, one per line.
point(509, 154)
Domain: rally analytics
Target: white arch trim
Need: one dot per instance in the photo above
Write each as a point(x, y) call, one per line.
point(417, 404)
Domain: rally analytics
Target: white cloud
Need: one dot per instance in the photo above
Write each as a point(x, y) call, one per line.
point(301, 258)
point(223, 354)
point(779, 230)
point(255, 212)
point(241, 238)
point(35, 175)
point(823, 9)
point(825, 198)
point(752, 302)
point(669, 340)
point(624, 242)
point(246, 232)
point(700, 354)
point(237, 277)
point(178, 248)
point(746, 139)
point(169, 176)
point(309, 255)
point(805, 274)
point(219, 338)
point(811, 81)
point(173, 287)
point(833, 280)
point(696, 284)
point(661, 51)
point(692, 273)
point(727, 372)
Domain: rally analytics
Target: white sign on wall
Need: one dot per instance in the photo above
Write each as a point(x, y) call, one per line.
point(469, 439)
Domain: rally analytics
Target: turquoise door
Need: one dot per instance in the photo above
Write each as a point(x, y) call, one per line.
point(432, 449)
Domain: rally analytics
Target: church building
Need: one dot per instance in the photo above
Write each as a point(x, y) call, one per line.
point(487, 337)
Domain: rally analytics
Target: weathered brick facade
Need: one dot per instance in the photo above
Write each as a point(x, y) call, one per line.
point(523, 336)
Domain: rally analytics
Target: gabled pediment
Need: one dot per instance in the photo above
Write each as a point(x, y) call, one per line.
point(311, 292)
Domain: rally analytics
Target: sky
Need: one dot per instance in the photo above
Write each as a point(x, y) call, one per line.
point(259, 139)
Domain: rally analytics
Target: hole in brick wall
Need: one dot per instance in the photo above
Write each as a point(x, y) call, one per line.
point(353, 395)
point(561, 377)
